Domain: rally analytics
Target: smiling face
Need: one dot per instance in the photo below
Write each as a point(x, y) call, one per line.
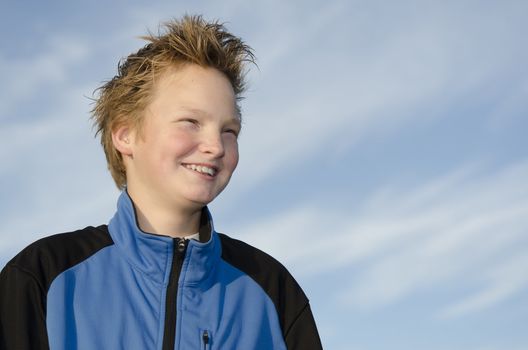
point(187, 149)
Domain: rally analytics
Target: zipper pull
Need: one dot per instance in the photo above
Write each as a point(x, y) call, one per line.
point(205, 338)
point(182, 244)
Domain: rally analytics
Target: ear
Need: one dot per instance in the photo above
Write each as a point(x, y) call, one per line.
point(123, 139)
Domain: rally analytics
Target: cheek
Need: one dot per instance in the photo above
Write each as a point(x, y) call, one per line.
point(180, 144)
point(231, 157)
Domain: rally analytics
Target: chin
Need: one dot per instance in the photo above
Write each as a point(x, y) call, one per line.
point(201, 201)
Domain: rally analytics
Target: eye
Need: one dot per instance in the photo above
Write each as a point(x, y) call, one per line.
point(189, 123)
point(190, 120)
point(232, 131)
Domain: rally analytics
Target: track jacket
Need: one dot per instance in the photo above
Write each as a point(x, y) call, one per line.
point(116, 287)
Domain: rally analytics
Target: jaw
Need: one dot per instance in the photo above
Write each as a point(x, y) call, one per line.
point(203, 188)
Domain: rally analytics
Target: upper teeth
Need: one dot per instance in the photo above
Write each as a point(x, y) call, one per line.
point(201, 169)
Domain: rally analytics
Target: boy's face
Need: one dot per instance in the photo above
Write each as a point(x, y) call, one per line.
point(187, 148)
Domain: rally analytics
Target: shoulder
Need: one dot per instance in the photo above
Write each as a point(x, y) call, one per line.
point(46, 258)
point(251, 260)
point(270, 274)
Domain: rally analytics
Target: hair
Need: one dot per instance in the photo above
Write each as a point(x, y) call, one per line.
point(189, 40)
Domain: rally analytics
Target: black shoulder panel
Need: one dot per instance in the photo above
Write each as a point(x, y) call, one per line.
point(48, 257)
point(25, 281)
point(271, 275)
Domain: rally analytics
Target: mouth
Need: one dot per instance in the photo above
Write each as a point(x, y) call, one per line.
point(208, 170)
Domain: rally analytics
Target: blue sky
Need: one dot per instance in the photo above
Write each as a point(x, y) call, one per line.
point(383, 158)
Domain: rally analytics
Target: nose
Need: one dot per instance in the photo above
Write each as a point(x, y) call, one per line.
point(212, 144)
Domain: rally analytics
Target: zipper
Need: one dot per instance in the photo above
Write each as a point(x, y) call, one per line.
point(205, 339)
point(178, 255)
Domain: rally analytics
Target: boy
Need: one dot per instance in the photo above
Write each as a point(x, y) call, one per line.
point(158, 276)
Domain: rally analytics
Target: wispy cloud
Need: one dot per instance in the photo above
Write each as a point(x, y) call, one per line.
point(54, 175)
point(410, 240)
point(414, 72)
point(25, 76)
point(503, 281)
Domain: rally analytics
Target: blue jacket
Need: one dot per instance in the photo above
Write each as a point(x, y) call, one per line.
point(116, 287)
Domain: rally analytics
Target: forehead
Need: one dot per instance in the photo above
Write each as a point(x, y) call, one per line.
point(194, 87)
point(192, 78)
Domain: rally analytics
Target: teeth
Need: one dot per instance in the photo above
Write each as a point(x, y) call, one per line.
point(201, 169)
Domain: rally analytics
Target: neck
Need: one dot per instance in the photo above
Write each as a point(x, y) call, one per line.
point(161, 220)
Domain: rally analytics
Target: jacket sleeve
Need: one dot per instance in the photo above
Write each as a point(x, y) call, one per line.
point(303, 334)
point(22, 311)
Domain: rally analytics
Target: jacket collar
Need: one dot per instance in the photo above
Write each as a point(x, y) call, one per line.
point(152, 254)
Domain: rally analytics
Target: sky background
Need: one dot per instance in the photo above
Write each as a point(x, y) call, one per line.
point(384, 156)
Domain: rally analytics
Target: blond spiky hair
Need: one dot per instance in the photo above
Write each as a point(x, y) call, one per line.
point(123, 99)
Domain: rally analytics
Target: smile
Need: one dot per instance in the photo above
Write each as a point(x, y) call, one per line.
point(202, 169)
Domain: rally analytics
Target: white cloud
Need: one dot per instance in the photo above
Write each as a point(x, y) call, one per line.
point(56, 174)
point(23, 77)
point(340, 92)
point(409, 240)
point(504, 281)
